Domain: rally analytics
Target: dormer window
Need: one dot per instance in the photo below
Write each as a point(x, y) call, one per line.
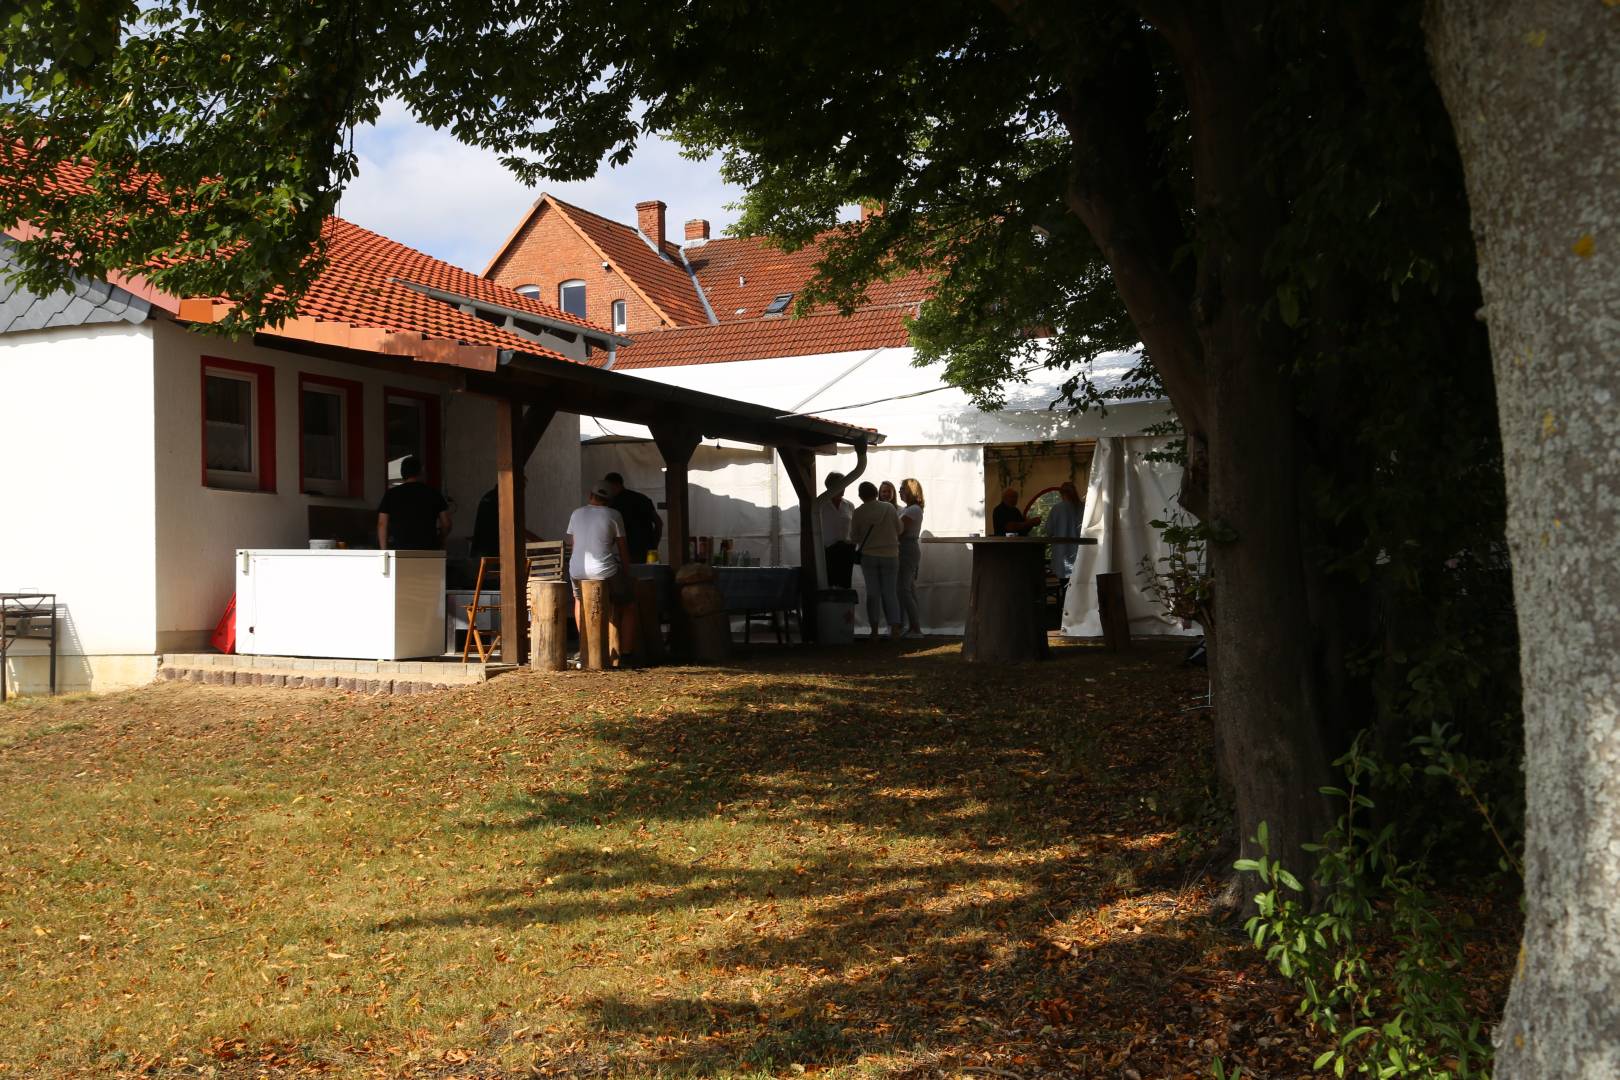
point(779, 305)
point(571, 297)
point(531, 291)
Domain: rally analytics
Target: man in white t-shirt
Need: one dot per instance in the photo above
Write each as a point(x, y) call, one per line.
point(596, 534)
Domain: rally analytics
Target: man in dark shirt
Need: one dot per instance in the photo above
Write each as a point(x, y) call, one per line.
point(643, 528)
point(412, 516)
point(486, 536)
point(1007, 518)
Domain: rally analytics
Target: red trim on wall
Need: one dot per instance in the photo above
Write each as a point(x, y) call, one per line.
point(432, 465)
point(264, 415)
point(354, 437)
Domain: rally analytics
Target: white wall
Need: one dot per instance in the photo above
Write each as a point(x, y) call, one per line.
point(76, 488)
point(199, 528)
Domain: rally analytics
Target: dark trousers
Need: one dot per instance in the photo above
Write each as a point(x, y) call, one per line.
point(840, 564)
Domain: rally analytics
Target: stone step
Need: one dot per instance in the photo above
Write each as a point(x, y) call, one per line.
point(358, 676)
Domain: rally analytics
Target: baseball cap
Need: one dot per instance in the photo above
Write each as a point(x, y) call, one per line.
point(601, 492)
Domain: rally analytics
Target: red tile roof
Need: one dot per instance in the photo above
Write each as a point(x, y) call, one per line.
point(361, 296)
point(747, 273)
point(760, 339)
point(363, 289)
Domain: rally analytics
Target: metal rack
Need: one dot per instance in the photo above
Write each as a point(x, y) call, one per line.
point(27, 617)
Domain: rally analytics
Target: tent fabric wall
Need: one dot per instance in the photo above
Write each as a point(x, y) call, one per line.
point(1125, 492)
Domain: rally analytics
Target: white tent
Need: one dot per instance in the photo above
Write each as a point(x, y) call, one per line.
point(933, 433)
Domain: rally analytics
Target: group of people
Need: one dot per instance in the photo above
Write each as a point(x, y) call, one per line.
point(618, 527)
point(1064, 520)
point(884, 536)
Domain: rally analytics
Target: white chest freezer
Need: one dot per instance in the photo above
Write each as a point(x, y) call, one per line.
point(359, 605)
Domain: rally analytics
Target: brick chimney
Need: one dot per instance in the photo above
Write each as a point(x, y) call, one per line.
point(871, 210)
point(650, 220)
point(697, 229)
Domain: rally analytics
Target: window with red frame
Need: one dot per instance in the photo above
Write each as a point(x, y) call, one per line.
point(411, 427)
point(331, 440)
point(238, 425)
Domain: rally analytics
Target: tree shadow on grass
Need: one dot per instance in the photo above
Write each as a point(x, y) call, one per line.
point(958, 824)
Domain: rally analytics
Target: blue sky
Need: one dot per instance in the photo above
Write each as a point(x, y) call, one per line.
point(425, 189)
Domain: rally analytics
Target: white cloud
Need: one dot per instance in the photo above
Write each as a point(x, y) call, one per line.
point(458, 203)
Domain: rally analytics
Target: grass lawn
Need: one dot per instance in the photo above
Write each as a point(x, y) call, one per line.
point(875, 861)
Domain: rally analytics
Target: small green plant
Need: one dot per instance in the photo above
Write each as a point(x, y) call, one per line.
point(1381, 975)
point(1180, 582)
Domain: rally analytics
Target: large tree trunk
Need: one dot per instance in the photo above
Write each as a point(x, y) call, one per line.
point(1264, 663)
point(1533, 88)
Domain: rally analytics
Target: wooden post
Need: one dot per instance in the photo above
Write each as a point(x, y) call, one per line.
point(676, 444)
point(594, 623)
point(509, 462)
point(800, 465)
point(549, 605)
point(651, 630)
point(1116, 624)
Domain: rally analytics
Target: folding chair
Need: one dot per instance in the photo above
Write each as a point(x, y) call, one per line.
point(488, 582)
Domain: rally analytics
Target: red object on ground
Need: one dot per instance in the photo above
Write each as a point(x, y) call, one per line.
point(224, 639)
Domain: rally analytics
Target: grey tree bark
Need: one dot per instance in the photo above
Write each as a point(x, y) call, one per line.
point(1533, 88)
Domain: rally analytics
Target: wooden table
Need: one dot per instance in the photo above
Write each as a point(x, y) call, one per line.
point(1007, 601)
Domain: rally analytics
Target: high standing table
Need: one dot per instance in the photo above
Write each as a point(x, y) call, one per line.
point(1008, 596)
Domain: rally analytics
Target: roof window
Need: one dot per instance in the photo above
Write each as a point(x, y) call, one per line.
point(779, 305)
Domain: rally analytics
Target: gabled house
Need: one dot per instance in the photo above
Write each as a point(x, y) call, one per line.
point(718, 314)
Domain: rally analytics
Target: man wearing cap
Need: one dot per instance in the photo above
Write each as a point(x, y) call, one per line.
point(596, 534)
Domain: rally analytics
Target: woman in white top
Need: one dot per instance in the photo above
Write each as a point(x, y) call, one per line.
point(911, 519)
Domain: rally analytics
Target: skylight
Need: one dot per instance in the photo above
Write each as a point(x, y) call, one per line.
point(779, 305)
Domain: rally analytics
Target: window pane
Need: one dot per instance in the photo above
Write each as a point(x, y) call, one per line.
point(405, 424)
point(618, 315)
point(323, 435)
point(228, 423)
point(571, 298)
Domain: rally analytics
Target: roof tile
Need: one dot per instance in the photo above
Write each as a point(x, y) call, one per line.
point(760, 339)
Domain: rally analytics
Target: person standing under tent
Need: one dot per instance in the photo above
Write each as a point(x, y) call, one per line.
point(833, 512)
point(643, 528)
point(1008, 520)
point(911, 521)
point(600, 553)
point(1064, 520)
point(878, 525)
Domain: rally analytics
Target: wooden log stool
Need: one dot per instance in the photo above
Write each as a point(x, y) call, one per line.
point(550, 605)
point(708, 625)
point(595, 644)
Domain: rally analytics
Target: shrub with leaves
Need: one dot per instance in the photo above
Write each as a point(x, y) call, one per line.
point(1381, 973)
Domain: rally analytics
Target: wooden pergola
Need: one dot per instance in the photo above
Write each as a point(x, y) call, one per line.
point(530, 390)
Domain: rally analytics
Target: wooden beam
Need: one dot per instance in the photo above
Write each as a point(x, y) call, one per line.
point(536, 419)
point(677, 443)
point(509, 461)
point(800, 466)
